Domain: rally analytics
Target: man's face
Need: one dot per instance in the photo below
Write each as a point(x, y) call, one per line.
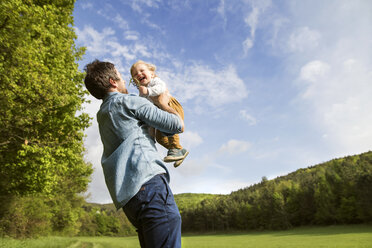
point(121, 84)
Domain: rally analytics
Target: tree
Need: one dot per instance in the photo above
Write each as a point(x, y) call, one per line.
point(41, 135)
point(41, 130)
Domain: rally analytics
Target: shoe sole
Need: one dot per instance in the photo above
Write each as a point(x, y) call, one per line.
point(173, 159)
point(179, 162)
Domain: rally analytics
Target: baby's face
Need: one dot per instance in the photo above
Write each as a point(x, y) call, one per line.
point(142, 73)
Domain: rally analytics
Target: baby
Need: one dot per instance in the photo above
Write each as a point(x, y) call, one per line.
point(150, 85)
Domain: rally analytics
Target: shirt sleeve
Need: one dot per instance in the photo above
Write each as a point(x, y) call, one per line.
point(156, 87)
point(159, 119)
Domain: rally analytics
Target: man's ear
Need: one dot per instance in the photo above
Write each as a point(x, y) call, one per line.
point(113, 83)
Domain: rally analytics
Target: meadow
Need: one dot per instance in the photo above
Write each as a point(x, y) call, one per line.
point(308, 237)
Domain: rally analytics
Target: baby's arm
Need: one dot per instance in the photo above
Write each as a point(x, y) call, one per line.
point(156, 87)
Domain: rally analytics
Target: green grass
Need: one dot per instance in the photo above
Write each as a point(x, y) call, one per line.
point(307, 237)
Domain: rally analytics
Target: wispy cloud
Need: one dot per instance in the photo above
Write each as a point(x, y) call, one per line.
point(340, 101)
point(222, 12)
point(199, 83)
point(131, 35)
point(139, 5)
point(85, 5)
point(314, 71)
point(247, 117)
point(304, 39)
point(234, 147)
point(110, 13)
point(106, 43)
point(95, 41)
point(121, 22)
point(142, 7)
point(252, 21)
point(190, 139)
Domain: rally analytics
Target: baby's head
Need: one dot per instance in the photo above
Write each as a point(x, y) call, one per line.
point(142, 72)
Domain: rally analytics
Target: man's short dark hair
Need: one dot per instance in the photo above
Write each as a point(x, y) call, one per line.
point(97, 79)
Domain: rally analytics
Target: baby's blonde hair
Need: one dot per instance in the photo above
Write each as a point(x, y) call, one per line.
point(151, 67)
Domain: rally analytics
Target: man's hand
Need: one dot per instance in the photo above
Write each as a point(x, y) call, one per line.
point(143, 90)
point(162, 101)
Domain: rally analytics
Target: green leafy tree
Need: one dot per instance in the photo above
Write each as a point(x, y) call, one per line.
point(41, 134)
point(41, 125)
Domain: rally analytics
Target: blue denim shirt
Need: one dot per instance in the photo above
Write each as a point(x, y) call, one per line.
point(130, 157)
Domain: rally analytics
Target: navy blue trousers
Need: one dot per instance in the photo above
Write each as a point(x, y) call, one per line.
point(155, 214)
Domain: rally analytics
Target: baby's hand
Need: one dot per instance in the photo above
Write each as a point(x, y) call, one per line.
point(143, 90)
point(161, 100)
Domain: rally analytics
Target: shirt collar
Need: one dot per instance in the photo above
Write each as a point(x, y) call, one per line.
point(109, 95)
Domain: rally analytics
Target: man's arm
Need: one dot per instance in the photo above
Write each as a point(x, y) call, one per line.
point(164, 119)
point(162, 101)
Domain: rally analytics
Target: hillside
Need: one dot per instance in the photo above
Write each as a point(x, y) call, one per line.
point(334, 192)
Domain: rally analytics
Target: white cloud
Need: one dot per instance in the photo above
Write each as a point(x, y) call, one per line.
point(120, 22)
point(95, 41)
point(106, 43)
point(340, 102)
point(221, 11)
point(233, 147)
point(193, 167)
point(205, 86)
point(304, 39)
point(337, 98)
point(87, 5)
point(118, 50)
point(247, 117)
point(247, 45)
point(209, 186)
point(252, 21)
point(314, 71)
point(138, 5)
point(97, 189)
point(131, 35)
point(141, 6)
point(141, 50)
point(190, 139)
point(109, 12)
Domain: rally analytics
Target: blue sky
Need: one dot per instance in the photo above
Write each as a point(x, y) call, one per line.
point(267, 87)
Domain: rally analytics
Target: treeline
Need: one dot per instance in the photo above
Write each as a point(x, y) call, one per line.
point(335, 192)
point(42, 216)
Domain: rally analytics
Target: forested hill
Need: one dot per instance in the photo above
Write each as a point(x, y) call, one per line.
point(334, 192)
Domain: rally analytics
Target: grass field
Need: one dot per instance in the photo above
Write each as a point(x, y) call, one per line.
point(307, 237)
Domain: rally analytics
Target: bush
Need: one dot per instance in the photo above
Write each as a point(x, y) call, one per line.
point(26, 217)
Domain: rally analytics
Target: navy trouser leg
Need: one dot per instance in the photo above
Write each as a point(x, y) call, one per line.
point(155, 214)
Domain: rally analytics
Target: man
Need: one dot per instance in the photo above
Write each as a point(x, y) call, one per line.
point(135, 175)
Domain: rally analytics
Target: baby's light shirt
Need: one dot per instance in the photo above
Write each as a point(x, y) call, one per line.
point(156, 87)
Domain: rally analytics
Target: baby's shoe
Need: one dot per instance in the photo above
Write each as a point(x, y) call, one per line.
point(175, 155)
point(179, 162)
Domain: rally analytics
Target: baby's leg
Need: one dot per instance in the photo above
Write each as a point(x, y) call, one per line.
point(174, 142)
point(161, 139)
